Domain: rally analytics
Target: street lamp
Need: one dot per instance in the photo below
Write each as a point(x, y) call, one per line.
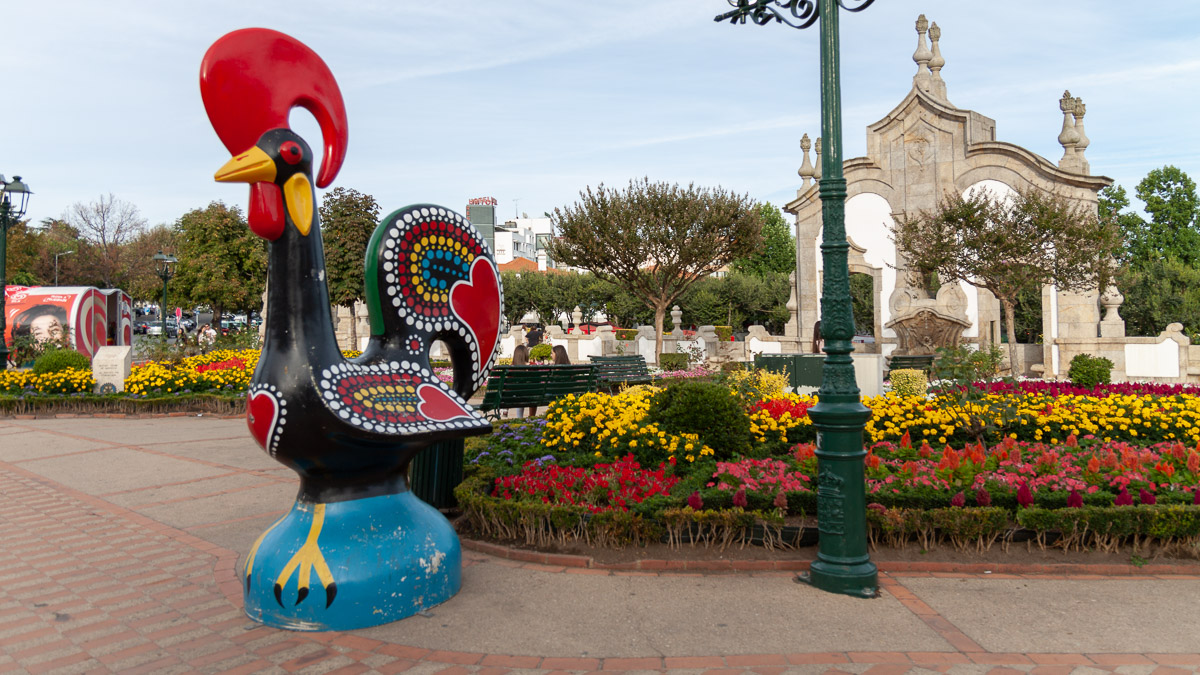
point(163, 265)
point(14, 197)
point(843, 564)
point(56, 257)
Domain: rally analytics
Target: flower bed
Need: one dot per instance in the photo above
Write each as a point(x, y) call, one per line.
point(1094, 452)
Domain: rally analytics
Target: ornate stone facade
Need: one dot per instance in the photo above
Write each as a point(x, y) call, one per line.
point(922, 150)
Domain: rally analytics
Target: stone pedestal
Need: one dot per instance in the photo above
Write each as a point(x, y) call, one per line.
point(110, 367)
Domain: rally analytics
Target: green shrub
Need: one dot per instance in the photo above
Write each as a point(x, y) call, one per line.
point(57, 360)
point(732, 366)
point(707, 409)
point(673, 361)
point(541, 352)
point(1088, 371)
point(909, 382)
point(724, 333)
point(627, 334)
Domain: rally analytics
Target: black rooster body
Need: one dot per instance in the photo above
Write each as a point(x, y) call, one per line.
point(348, 427)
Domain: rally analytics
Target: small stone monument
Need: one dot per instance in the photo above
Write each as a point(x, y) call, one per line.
point(110, 367)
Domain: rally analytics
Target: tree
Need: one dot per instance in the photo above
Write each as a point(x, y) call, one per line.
point(1159, 292)
point(1172, 204)
point(143, 280)
point(778, 251)
point(108, 224)
point(222, 263)
point(1010, 245)
point(655, 239)
point(348, 218)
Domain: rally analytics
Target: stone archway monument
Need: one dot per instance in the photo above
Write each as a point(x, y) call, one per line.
point(922, 150)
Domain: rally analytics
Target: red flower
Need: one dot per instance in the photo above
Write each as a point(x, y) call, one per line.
point(1074, 500)
point(1146, 497)
point(739, 498)
point(780, 500)
point(959, 500)
point(906, 441)
point(983, 497)
point(695, 501)
point(1024, 496)
point(1123, 498)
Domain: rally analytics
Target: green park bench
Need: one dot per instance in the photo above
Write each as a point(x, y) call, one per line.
point(614, 370)
point(534, 386)
point(915, 362)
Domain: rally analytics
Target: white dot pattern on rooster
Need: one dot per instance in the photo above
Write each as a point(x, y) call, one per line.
point(434, 248)
point(393, 398)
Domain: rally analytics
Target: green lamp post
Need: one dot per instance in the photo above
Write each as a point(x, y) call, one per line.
point(14, 197)
point(843, 564)
point(164, 265)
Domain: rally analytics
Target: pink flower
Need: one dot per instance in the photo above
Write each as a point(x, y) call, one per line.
point(880, 508)
point(959, 500)
point(695, 501)
point(1074, 500)
point(1146, 497)
point(780, 500)
point(739, 498)
point(1123, 498)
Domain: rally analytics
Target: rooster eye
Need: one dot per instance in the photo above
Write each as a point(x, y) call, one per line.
point(290, 152)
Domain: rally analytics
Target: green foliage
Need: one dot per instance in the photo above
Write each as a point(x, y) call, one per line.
point(777, 255)
point(57, 360)
point(738, 300)
point(1158, 292)
point(348, 218)
point(1172, 204)
point(707, 409)
point(964, 365)
point(221, 262)
point(626, 334)
point(908, 382)
point(1088, 371)
point(687, 233)
point(541, 352)
point(723, 332)
point(673, 361)
point(862, 302)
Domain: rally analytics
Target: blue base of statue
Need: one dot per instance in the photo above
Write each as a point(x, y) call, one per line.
point(352, 564)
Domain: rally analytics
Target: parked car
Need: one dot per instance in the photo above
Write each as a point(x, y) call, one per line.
point(230, 326)
point(155, 328)
point(141, 326)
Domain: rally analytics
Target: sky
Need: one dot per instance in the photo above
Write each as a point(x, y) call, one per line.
point(532, 101)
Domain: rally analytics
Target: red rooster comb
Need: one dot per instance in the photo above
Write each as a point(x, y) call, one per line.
point(251, 79)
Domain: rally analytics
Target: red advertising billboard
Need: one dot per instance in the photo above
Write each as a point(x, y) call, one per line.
point(89, 317)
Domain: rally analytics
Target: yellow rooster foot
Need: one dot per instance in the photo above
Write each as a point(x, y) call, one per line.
point(308, 559)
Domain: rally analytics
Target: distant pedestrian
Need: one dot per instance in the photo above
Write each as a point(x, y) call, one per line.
point(520, 357)
point(560, 356)
point(818, 342)
point(206, 338)
point(534, 337)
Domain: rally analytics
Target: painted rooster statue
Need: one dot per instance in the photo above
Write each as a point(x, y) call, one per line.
point(348, 427)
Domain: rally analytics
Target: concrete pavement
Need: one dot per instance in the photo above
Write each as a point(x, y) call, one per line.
point(120, 556)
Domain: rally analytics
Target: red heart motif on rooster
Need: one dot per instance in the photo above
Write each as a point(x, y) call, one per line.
point(436, 406)
point(262, 414)
point(477, 304)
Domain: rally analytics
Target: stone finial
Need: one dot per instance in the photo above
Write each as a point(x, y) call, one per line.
point(1078, 113)
point(676, 321)
point(817, 165)
point(1112, 325)
point(1068, 137)
point(806, 168)
point(938, 85)
point(577, 319)
point(922, 56)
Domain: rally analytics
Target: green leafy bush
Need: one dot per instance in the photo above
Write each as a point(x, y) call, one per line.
point(626, 334)
point(58, 360)
point(707, 409)
point(673, 361)
point(1088, 371)
point(724, 333)
point(541, 352)
point(909, 382)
